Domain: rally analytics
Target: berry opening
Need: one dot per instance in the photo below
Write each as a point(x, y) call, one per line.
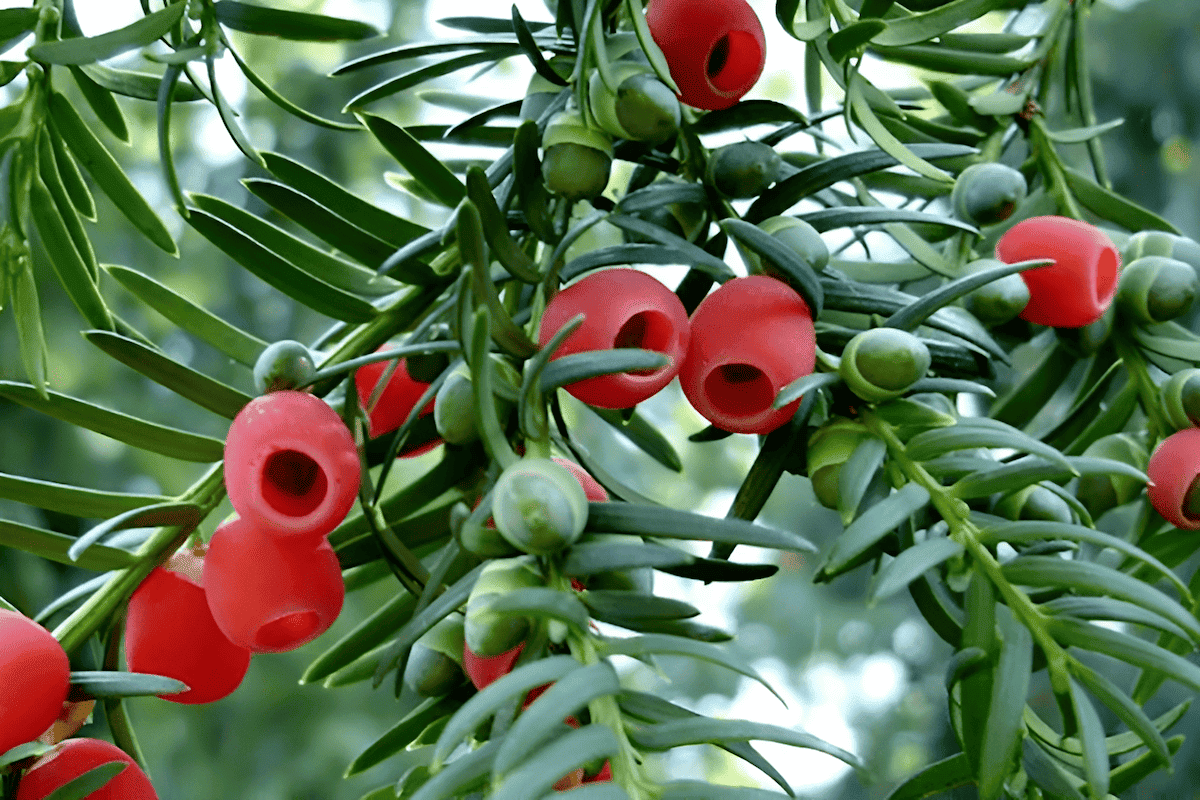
point(647, 330)
point(735, 62)
point(738, 390)
point(287, 632)
point(1106, 276)
point(293, 483)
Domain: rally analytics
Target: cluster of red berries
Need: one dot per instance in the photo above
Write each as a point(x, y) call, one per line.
point(743, 344)
point(268, 581)
point(35, 676)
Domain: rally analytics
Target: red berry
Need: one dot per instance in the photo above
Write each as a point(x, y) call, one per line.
point(291, 466)
point(1173, 470)
point(268, 593)
point(395, 402)
point(716, 49)
point(591, 487)
point(483, 670)
point(35, 675)
point(72, 758)
point(1078, 288)
point(750, 338)
point(623, 308)
point(170, 631)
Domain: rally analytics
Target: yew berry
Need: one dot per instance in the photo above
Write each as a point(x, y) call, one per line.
point(73, 757)
point(434, 664)
point(623, 308)
point(34, 678)
point(715, 49)
point(268, 593)
point(395, 401)
point(998, 301)
point(1174, 471)
point(591, 487)
point(1100, 491)
point(603, 776)
point(1078, 288)
point(291, 466)
point(577, 158)
point(483, 670)
point(1181, 399)
point(750, 338)
point(830, 447)
point(170, 630)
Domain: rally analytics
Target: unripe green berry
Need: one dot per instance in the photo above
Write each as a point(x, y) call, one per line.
point(1034, 503)
point(1155, 289)
point(801, 237)
point(284, 364)
point(435, 662)
point(1181, 399)
point(490, 633)
point(454, 409)
point(538, 506)
point(985, 194)
point(642, 108)
point(648, 109)
point(830, 447)
point(999, 301)
point(1101, 492)
point(743, 169)
point(881, 363)
point(576, 159)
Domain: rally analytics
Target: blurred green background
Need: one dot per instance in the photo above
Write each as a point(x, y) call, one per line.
point(867, 679)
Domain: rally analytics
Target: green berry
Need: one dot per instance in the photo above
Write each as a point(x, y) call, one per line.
point(1156, 289)
point(743, 169)
point(881, 363)
point(999, 301)
point(985, 194)
point(488, 632)
point(284, 364)
point(829, 448)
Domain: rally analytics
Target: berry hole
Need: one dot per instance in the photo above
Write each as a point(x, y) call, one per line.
point(293, 484)
point(735, 62)
point(647, 330)
point(282, 633)
point(1106, 276)
point(739, 390)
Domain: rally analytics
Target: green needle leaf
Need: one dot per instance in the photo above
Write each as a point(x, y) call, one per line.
point(97, 48)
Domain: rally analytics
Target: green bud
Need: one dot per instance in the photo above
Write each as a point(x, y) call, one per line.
point(435, 662)
point(997, 302)
point(800, 237)
point(985, 194)
point(1034, 503)
point(1156, 289)
point(576, 159)
point(881, 363)
point(743, 169)
point(489, 633)
point(285, 364)
point(1181, 399)
point(1101, 492)
point(538, 506)
point(642, 109)
point(829, 447)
